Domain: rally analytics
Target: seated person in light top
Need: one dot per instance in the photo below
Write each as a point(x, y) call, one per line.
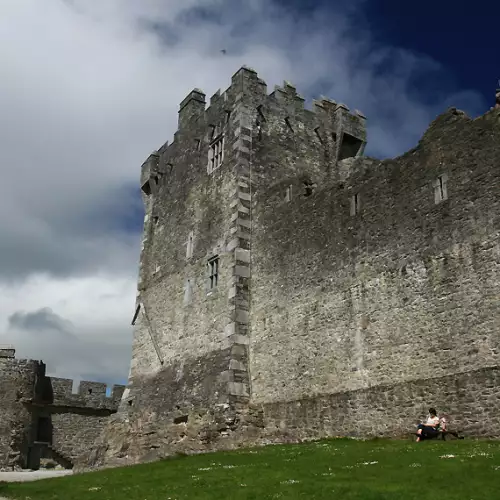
point(431, 427)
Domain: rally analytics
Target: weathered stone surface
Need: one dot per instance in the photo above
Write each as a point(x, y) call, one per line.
point(348, 288)
point(42, 419)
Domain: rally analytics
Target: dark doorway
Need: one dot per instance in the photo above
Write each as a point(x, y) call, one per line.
point(44, 430)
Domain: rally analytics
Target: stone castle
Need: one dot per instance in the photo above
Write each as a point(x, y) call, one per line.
point(291, 288)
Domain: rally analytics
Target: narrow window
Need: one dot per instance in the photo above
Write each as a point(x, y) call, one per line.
point(288, 193)
point(441, 189)
point(155, 220)
point(198, 144)
point(288, 123)
point(170, 167)
point(213, 270)
point(188, 292)
point(259, 129)
point(228, 116)
point(261, 113)
point(212, 132)
point(215, 154)
point(355, 204)
point(318, 135)
point(189, 245)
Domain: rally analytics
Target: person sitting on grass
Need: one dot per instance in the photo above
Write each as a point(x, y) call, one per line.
point(431, 428)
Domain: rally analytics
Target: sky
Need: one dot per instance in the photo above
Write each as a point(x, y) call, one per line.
point(89, 89)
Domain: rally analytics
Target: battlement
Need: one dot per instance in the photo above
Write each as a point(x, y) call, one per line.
point(57, 391)
point(87, 394)
point(247, 82)
point(346, 128)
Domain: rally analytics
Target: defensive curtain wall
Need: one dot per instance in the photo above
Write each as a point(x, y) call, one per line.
point(291, 288)
point(42, 418)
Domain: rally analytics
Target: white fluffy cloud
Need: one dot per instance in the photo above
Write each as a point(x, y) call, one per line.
point(89, 88)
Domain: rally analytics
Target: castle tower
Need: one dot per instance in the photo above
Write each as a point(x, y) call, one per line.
point(192, 318)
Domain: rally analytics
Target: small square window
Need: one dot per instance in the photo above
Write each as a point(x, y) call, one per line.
point(213, 272)
point(308, 188)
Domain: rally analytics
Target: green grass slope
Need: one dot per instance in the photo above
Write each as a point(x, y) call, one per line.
point(337, 468)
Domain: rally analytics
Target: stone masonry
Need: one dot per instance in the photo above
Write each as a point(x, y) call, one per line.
point(291, 288)
point(43, 419)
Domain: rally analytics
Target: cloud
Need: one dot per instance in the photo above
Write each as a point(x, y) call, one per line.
point(89, 89)
point(39, 321)
point(80, 327)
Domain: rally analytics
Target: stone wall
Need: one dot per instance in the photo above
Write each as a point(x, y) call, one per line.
point(75, 432)
point(41, 416)
point(404, 289)
point(73, 420)
point(17, 380)
point(470, 400)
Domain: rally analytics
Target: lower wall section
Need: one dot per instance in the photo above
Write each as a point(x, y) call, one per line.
point(471, 401)
point(74, 433)
point(179, 387)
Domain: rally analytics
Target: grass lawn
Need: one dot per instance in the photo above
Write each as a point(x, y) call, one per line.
point(336, 468)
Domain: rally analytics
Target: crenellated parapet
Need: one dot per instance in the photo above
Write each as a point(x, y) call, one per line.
point(87, 394)
point(339, 130)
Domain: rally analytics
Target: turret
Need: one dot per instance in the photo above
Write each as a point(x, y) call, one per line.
point(191, 108)
point(149, 174)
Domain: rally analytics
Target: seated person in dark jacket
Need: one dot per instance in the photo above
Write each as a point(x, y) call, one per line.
point(430, 428)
